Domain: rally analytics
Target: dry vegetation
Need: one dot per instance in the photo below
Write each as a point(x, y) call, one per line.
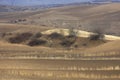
point(34, 56)
point(87, 17)
point(31, 48)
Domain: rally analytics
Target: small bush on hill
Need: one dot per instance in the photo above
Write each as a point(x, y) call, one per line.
point(66, 43)
point(2, 35)
point(19, 38)
point(36, 35)
point(5, 34)
point(96, 37)
point(56, 36)
point(99, 34)
point(37, 42)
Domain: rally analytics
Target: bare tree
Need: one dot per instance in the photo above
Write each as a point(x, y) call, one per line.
point(72, 26)
point(99, 28)
point(98, 35)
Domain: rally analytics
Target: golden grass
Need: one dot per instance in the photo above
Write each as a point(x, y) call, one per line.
point(58, 74)
point(79, 33)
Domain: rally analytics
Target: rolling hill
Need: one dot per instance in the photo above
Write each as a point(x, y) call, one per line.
point(86, 17)
point(36, 45)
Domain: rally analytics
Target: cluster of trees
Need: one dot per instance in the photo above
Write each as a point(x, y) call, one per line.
point(34, 39)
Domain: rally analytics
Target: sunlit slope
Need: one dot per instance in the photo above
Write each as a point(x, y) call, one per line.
point(19, 28)
point(109, 49)
point(79, 33)
point(105, 16)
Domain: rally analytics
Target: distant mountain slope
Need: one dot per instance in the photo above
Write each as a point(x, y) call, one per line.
point(88, 17)
point(44, 2)
point(38, 2)
point(7, 8)
point(4, 8)
point(100, 1)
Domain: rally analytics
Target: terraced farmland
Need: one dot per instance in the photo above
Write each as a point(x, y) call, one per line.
point(30, 69)
point(76, 57)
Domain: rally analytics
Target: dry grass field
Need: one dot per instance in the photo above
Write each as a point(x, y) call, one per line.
point(98, 61)
point(86, 17)
point(31, 69)
point(28, 51)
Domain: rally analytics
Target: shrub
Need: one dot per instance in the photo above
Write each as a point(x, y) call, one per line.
point(2, 35)
point(66, 43)
point(20, 37)
point(99, 34)
point(72, 32)
point(96, 37)
point(72, 37)
point(37, 35)
point(84, 44)
point(56, 36)
point(37, 42)
point(5, 34)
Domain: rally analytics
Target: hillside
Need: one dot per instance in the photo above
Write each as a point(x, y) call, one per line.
point(83, 42)
point(72, 42)
point(86, 17)
point(110, 48)
point(8, 8)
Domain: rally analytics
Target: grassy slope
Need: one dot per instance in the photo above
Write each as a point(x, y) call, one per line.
point(105, 16)
point(29, 69)
point(109, 46)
